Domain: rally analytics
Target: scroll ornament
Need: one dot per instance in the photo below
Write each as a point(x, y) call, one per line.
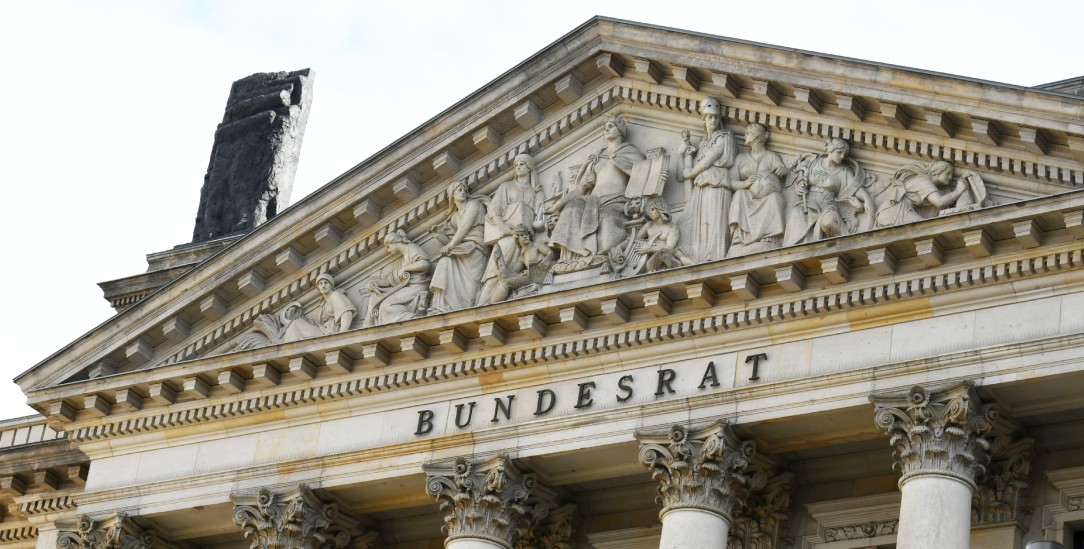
point(297, 520)
point(491, 500)
point(115, 532)
point(700, 469)
point(937, 432)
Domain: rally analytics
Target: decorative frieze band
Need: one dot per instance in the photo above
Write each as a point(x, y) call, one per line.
point(937, 431)
point(491, 500)
point(296, 519)
point(702, 468)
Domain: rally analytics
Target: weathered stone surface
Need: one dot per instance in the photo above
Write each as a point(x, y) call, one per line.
point(254, 157)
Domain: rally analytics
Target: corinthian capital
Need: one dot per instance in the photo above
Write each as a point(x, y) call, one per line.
point(938, 432)
point(490, 500)
point(700, 468)
point(117, 531)
point(296, 519)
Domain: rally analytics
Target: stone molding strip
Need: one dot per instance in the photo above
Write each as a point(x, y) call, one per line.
point(18, 533)
point(744, 315)
point(633, 93)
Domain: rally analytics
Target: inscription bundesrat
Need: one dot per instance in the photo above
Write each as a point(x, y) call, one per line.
point(587, 395)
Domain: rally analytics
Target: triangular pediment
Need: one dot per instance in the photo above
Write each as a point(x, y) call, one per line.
point(221, 329)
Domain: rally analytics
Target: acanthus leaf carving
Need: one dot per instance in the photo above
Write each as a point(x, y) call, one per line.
point(118, 531)
point(702, 468)
point(297, 519)
point(1002, 493)
point(760, 521)
point(937, 431)
point(490, 500)
point(556, 531)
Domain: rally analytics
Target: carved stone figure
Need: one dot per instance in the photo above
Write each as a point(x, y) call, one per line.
point(917, 185)
point(832, 196)
point(404, 294)
point(707, 167)
point(591, 214)
point(461, 263)
point(251, 171)
point(519, 201)
point(654, 247)
point(756, 211)
point(530, 266)
point(337, 315)
point(490, 500)
point(293, 520)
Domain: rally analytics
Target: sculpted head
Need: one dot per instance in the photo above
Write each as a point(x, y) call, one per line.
point(459, 191)
point(837, 150)
point(659, 211)
point(941, 171)
point(756, 133)
point(523, 234)
point(524, 164)
point(396, 237)
point(325, 283)
point(712, 111)
point(615, 125)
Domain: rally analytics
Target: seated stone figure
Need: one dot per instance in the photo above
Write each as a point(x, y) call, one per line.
point(756, 210)
point(337, 314)
point(529, 266)
point(654, 246)
point(591, 218)
point(832, 196)
point(404, 294)
point(917, 186)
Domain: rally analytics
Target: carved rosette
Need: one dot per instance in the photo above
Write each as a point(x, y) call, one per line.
point(760, 521)
point(1002, 494)
point(700, 468)
point(490, 500)
point(557, 531)
point(292, 520)
point(117, 531)
point(937, 432)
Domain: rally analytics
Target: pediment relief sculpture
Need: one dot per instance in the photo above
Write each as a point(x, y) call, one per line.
point(336, 315)
point(403, 294)
point(914, 193)
point(614, 219)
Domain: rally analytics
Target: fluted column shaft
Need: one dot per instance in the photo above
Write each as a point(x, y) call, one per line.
point(701, 475)
point(939, 446)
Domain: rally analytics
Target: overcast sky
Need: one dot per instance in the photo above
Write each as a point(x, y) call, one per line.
point(111, 107)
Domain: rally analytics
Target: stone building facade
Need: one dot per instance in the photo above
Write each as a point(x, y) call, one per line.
point(649, 289)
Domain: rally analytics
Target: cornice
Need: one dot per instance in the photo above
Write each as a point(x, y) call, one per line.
point(338, 205)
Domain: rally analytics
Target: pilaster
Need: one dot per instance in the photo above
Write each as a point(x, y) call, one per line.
point(489, 502)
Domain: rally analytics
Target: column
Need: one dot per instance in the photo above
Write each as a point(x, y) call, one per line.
point(293, 519)
point(937, 434)
point(701, 475)
point(486, 504)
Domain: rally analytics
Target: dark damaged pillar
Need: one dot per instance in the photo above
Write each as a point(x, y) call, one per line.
point(251, 171)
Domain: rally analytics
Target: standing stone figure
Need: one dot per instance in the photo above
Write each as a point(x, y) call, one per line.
point(251, 171)
point(832, 196)
point(706, 166)
point(404, 294)
point(458, 272)
point(519, 201)
point(591, 216)
point(756, 211)
point(917, 185)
